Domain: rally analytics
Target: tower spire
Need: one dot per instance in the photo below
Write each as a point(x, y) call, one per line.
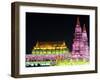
point(78, 21)
point(84, 28)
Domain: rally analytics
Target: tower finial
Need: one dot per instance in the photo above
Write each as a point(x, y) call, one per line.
point(78, 21)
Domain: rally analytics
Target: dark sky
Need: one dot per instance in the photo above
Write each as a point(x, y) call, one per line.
point(52, 27)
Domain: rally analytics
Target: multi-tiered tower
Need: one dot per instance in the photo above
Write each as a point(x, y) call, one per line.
point(80, 48)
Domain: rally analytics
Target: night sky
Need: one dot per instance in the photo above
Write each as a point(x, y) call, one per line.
point(52, 27)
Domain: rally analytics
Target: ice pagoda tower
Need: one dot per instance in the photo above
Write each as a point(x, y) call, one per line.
point(80, 48)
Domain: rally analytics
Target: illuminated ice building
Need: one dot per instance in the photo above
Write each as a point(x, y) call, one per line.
point(80, 48)
point(47, 53)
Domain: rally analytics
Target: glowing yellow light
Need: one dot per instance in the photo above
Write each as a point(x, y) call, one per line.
point(44, 47)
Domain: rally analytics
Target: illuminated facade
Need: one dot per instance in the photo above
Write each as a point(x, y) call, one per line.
point(80, 48)
point(46, 51)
